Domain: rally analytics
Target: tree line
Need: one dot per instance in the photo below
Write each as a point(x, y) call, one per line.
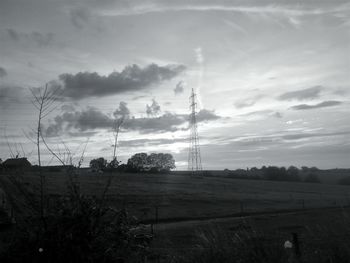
point(274, 173)
point(139, 162)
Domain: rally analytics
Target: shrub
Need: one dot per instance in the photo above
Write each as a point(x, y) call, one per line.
point(76, 228)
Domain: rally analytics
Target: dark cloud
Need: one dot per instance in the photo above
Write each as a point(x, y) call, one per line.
point(81, 121)
point(149, 142)
point(13, 34)
point(92, 118)
point(304, 94)
point(132, 78)
point(206, 115)
point(122, 111)
point(323, 104)
point(179, 87)
point(80, 17)
point(299, 136)
point(167, 122)
point(153, 109)
point(40, 39)
point(3, 72)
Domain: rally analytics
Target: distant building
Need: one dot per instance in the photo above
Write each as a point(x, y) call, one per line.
point(16, 163)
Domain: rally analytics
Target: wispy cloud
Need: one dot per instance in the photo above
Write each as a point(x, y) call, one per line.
point(323, 104)
point(3, 72)
point(304, 94)
point(267, 9)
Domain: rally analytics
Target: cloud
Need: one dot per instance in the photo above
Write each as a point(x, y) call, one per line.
point(153, 109)
point(199, 55)
point(40, 39)
point(304, 94)
point(167, 122)
point(91, 119)
point(80, 17)
point(299, 136)
point(277, 114)
point(263, 113)
point(11, 94)
point(150, 142)
point(82, 121)
point(131, 78)
point(248, 102)
point(323, 104)
point(286, 10)
point(179, 87)
point(3, 72)
point(206, 115)
point(244, 104)
point(13, 34)
point(122, 111)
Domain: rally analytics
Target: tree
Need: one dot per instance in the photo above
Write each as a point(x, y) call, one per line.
point(163, 162)
point(293, 173)
point(138, 161)
point(154, 162)
point(98, 164)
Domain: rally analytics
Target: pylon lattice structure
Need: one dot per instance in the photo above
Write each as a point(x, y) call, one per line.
point(194, 154)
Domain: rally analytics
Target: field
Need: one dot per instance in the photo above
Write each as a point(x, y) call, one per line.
point(181, 197)
point(181, 207)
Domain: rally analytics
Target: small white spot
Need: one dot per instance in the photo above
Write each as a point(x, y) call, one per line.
point(288, 244)
point(41, 250)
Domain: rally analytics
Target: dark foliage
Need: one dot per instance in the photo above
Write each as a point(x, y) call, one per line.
point(155, 162)
point(98, 164)
point(75, 228)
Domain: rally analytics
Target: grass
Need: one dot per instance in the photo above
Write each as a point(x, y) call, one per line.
point(181, 196)
point(184, 197)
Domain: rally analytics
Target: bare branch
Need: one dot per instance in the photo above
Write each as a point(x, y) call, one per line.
point(52, 152)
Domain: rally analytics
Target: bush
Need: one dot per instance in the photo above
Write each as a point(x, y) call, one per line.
point(76, 228)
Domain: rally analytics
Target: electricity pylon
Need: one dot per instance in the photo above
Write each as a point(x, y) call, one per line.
point(194, 153)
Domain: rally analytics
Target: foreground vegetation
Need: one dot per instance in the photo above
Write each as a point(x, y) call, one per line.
point(93, 217)
point(73, 228)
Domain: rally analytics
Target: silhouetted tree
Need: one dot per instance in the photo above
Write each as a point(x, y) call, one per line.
point(293, 173)
point(155, 162)
point(98, 164)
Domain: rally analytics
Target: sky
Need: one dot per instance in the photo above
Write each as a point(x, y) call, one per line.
point(271, 78)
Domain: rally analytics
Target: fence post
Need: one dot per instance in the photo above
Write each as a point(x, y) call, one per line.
point(296, 246)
